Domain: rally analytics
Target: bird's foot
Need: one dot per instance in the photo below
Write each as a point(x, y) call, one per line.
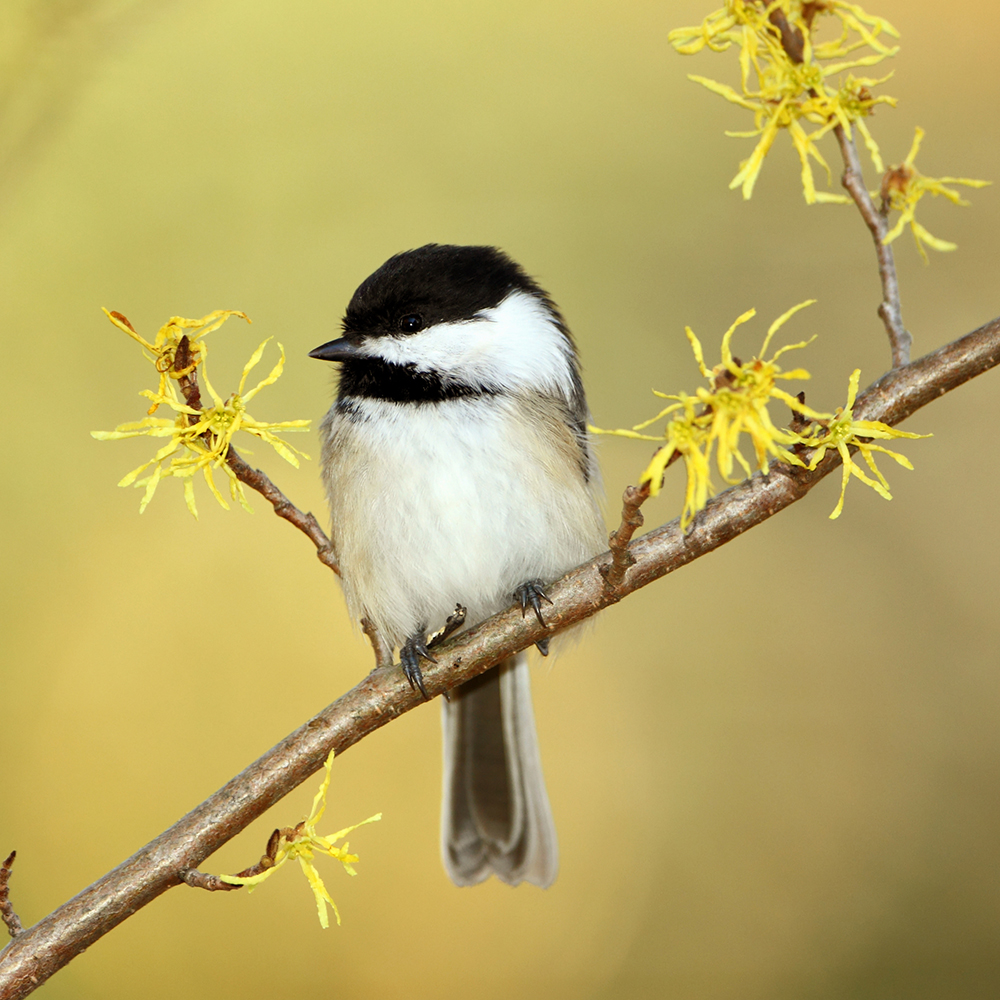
point(410, 655)
point(532, 594)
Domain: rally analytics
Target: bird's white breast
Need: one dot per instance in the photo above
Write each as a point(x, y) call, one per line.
point(456, 502)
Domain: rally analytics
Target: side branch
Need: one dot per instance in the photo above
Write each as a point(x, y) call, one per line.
point(284, 507)
point(7, 914)
point(246, 473)
point(621, 559)
point(890, 311)
point(384, 694)
point(877, 221)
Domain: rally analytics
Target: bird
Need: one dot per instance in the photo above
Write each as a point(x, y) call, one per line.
point(460, 476)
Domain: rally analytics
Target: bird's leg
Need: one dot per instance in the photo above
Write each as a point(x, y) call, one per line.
point(410, 654)
point(533, 593)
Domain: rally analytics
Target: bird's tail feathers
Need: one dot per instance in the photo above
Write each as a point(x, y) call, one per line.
point(495, 816)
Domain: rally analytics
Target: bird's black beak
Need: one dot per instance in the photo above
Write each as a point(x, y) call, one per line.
point(337, 350)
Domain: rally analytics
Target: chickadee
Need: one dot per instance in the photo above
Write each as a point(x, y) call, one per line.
point(459, 472)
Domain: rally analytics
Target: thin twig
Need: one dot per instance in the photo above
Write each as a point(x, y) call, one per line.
point(618, 541)
point(206, 880)
point(7, 913)
point(621, 559)
point(215, 883)
point(877, 219)
point(890, 310)
point(382, 651)
point(384, 694)
point(246, 473)
point(284, 507)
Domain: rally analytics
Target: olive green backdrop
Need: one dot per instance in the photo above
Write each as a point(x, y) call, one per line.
point(774, 773)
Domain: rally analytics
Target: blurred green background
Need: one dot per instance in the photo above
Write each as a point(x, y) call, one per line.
point(774, 774)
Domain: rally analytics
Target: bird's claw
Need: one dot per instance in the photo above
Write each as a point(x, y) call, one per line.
point(532, 593)
point(410, 655)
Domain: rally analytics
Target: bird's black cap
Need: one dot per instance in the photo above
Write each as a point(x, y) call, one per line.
point(438, 284)
point(433, 284)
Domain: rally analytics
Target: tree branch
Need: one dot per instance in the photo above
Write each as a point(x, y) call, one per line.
point(384, 694)
point(890, 310)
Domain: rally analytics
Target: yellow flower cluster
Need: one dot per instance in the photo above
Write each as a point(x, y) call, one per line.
point(904, 186)
point(735, 402)
point(301, 843)
point(784, 76)
point(199, 439)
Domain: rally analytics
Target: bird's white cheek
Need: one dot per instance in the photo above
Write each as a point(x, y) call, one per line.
point(469, 349)
point(515, 346)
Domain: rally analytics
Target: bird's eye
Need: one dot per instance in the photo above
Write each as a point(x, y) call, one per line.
point(411, 323)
